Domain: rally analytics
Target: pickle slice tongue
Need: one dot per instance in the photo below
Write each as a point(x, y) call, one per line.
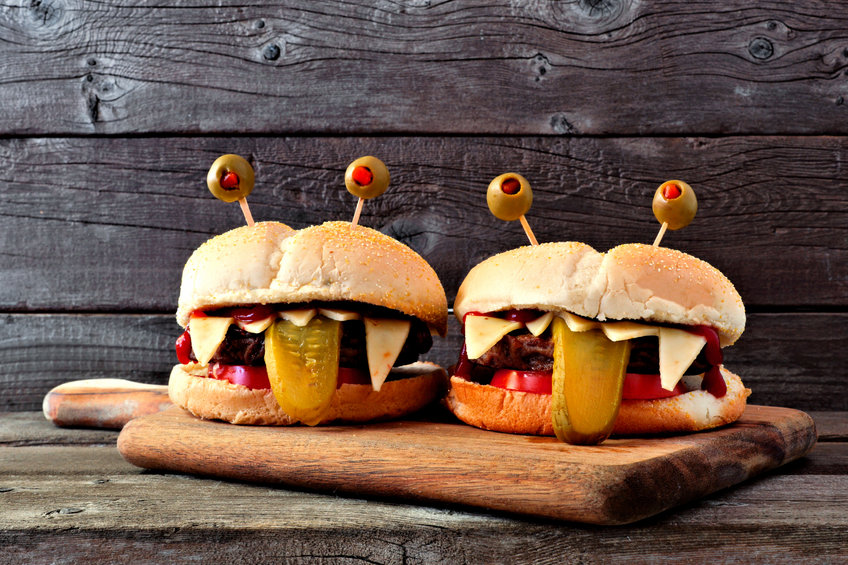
point(588, 377)
point(303, 365)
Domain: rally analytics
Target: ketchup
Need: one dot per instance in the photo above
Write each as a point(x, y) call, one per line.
point(464, 367)
point(184, 348)
point(251, 314)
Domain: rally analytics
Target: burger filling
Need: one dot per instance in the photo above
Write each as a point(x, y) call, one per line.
point(231, 341)
point(522, 357)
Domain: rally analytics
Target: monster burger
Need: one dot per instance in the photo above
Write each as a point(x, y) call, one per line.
point(315, 325)
point(627, 341)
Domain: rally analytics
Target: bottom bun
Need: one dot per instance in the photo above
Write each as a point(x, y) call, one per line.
point(215, 399)
point(501, 410)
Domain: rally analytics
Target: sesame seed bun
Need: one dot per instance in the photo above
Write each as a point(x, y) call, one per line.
point(501, 410)
point(629, 282)
point(269, 263)
point(214, 399)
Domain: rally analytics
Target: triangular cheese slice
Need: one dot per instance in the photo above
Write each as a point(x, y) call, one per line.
point(483, 332)
point(207, 333)
point(383, 341)
point(678, 349)
point(577, 324)
point(538, 326)
point(256, 327)
point(339, 315)
point(299, 317)
point(620, 331)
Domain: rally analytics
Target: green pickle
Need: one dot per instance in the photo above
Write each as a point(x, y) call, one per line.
point(588, 378)
point(303, 366)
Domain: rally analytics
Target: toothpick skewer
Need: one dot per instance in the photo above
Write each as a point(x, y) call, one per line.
point(357, 213)
point(527, 230)
point(245, 209)
point(660, 234)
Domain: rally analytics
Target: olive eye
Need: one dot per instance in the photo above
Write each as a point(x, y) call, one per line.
point(230, 178)
point(509, 196)
point(367, 177)
point(675, 204)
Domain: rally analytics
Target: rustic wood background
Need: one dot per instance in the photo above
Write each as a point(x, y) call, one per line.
point(110, 114)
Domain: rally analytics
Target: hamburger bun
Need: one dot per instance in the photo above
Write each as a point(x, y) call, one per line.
point(629, 282)
point(269, 263)
point(214, 399)
point(501, 410)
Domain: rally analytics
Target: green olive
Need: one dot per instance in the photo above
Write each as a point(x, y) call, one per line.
point(230, 178)
point(367, 177)
point(675, 203)
point(509, 196)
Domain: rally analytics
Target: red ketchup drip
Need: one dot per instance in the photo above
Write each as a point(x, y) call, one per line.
point(184, 348)
point(713, 381)
point(252, 314)
point(523, 316)
point(464, 367)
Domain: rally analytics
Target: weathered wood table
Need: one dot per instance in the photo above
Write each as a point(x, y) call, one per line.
point(111, 112)
point(67, 496)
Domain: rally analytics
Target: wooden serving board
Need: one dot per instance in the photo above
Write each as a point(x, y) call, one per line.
point(621, 481)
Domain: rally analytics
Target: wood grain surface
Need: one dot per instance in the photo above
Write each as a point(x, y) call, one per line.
point(68, 493)
point(121, 216)
point(562, 68)
point(621, 481)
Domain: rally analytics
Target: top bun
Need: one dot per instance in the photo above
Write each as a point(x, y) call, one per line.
point(629, 282)
point(270, 263)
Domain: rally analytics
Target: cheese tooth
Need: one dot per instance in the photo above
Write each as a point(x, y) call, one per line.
point(299, 317)
point(620, 331)
point(384, 339)
point(483, 332)
point(339, 315)
point(538, 326)
point(577, 324)
point(256, 327)
point(678, 349)
point(207, 333)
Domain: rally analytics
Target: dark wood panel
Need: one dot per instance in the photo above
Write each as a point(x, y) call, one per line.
point(561, 68)
point(106, 224)
point(792, 360)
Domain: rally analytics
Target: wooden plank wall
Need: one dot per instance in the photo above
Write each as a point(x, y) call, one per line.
point(110, 114)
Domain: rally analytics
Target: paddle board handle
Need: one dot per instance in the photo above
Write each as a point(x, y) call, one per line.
point(103, 403)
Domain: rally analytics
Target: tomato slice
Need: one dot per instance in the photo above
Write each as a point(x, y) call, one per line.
point(244, 375)
point(537, 382)
point(348, 375)
point(647, 387)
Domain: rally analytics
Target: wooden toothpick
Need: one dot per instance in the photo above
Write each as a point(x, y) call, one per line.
point(660, 234)
point(355, 221)
point(527, 230)
point(245, 209)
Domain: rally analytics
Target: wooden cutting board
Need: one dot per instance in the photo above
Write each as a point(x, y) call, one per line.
point(619, 482)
